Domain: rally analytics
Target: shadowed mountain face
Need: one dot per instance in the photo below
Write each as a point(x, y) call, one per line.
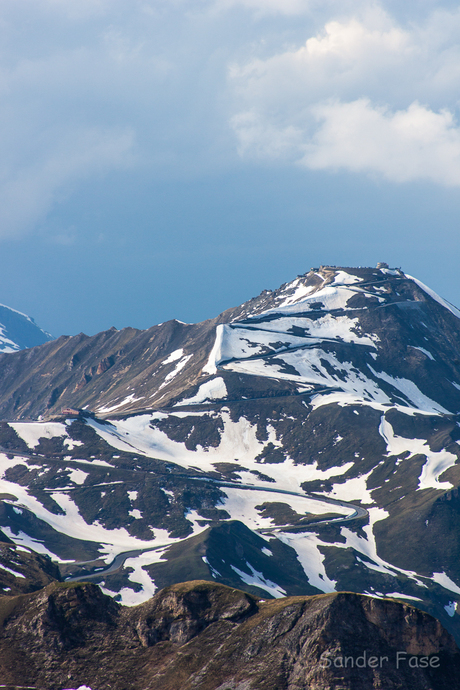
point(305, 442)
point(23, 571)
point(209, 637)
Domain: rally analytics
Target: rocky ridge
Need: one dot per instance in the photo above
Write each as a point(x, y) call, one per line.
point(207, 636)
point(120, 372)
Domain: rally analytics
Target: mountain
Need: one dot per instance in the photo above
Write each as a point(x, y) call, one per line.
point(354, 315)
point(305, 442)
point(207, 636)
point(19, 331)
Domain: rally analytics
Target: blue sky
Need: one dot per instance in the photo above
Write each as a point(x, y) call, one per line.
point(172, 158)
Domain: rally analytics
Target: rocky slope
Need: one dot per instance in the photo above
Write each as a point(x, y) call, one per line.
point(23, 571)
point(206, 636)
point(306, 442)
point(353, 316)
point(121, 371)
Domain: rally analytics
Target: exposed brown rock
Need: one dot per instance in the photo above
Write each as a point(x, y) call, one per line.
point(207, 636)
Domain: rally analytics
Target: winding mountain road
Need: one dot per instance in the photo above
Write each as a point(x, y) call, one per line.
point(357, 512)
point(92, 570)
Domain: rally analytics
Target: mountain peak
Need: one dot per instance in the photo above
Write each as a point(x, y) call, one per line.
point(19, 331)
point(388, 317)
point(306, 441)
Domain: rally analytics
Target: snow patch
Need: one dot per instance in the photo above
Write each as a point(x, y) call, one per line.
point(311, 559)
point(214, 573)
point(178, 368)
point(354, 489)
point(391, 272)
point(32, 432)
point(411, 393)
point(436, 462)
point(299, 292)
point(77, 476)
point(425, 352)
point(215, 389)
point(256, 579)
point(130, 399)
point(451, 608)
point(215, 354)
point(71, 443)
point(12, 572)
point(445, 581)
point(344, 278)
point(174, 356)
point(398, 595)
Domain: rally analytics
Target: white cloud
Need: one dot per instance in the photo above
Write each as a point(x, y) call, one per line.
point(80, 10)
point(89, 86)
point(350, 98)
point(258, 138)
point(351, 40)
point(289, 7)
point(28, 190)
point(405, 145)
point(69, 110)
point(346, 58)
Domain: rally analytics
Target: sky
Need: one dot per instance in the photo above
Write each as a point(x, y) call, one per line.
point(168, 159)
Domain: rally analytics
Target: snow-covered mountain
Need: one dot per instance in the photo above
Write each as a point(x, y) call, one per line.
point(19, 331)
point(304, 442)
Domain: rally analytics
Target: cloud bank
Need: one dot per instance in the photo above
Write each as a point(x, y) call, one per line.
point(182, 87)
point(364, 95)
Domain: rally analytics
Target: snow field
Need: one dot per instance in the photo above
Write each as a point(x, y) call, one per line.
point(241, 505)
point(411, 393)
point(332, 297)
point(71, 523)
point(308, 549)
point(436, 462)
point(31, 432)
point(239, 445)
point(129, 597)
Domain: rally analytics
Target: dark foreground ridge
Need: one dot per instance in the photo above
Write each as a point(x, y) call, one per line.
point(207, 636)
